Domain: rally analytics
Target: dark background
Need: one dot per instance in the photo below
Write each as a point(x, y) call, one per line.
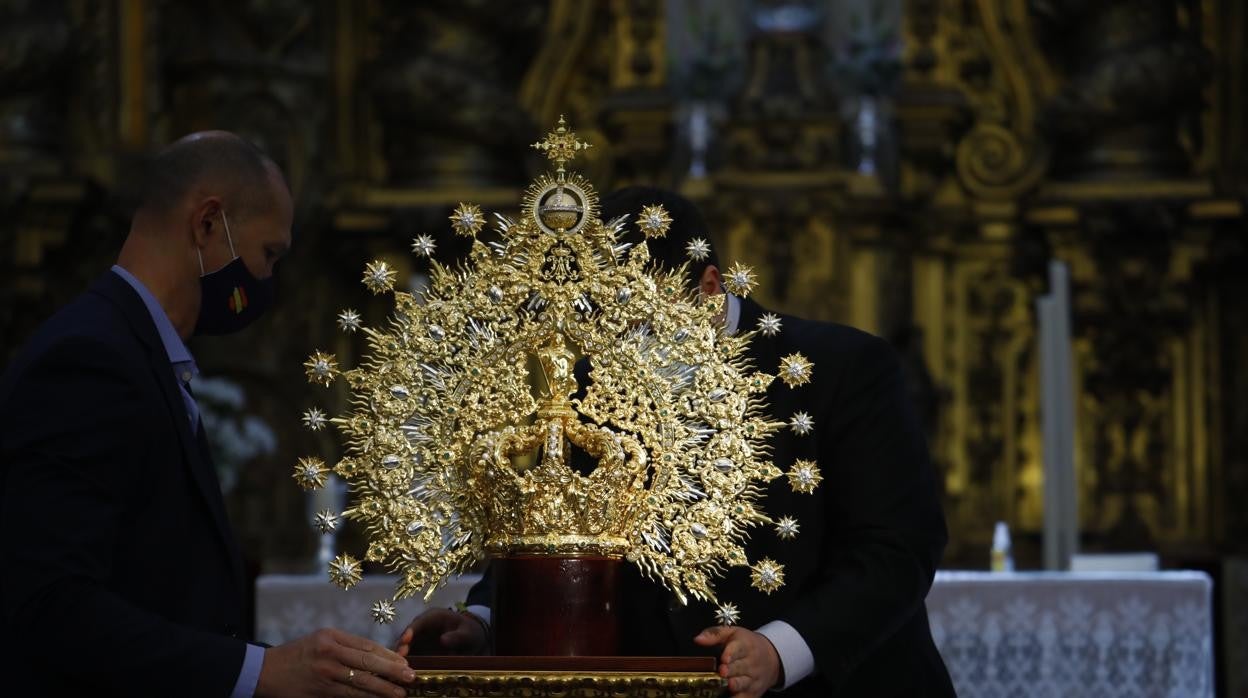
point(908, 167)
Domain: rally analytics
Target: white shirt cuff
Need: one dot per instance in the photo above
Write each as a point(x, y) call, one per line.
point(482, 612)
point(249, 674)
point(795, 656)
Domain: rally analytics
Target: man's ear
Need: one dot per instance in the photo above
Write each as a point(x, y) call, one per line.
point(711, 282)
point(205, 220)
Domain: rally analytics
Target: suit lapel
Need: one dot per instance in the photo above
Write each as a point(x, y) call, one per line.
point(205, 472)
point(762, 349)
point(194, 450)
point(750, 314)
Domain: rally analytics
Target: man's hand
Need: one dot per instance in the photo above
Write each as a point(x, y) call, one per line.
point(749, 660)
point(442, 631)
point(333, 663)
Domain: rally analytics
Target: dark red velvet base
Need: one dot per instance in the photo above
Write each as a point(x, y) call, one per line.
point(556, 606)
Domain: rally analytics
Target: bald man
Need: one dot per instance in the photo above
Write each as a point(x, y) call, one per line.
point(121, 573)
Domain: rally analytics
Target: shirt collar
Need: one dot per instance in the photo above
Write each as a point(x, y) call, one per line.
point(175, 348)
point(732, 320)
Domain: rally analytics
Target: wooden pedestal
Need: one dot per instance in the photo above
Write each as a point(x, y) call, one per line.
point(556, 633)
point(567, 677)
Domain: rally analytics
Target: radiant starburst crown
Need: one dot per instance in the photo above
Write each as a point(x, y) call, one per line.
point(466, 409)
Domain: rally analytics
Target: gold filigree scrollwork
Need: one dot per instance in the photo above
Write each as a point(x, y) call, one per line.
point(672, 417)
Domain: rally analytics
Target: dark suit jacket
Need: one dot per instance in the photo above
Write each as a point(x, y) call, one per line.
point(870, 538)
point(121, 574)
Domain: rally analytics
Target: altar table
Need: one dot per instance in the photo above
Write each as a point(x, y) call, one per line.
point(1075, 634)
point(1034, 634)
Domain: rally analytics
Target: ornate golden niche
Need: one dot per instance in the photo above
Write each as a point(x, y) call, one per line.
point(1134, 227)
point(989, 180)
point(950, 251)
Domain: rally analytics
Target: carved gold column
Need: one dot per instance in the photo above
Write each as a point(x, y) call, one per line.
point(973, 80)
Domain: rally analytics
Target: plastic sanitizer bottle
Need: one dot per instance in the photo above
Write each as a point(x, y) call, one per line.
point(1002, 561)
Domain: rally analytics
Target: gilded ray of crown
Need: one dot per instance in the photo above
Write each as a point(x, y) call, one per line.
point(465, 410)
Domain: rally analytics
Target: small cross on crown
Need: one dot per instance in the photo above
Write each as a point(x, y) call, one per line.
point(560, 145)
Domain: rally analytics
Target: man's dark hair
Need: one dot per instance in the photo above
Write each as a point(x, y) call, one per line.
point(687, 224)
point(223, 161)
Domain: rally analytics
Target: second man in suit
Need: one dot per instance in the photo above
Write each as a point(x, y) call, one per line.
point(859, 552)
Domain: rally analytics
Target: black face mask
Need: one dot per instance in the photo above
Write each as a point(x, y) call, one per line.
point(230, 297)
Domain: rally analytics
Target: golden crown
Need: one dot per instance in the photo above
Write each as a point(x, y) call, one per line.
point(465, 411)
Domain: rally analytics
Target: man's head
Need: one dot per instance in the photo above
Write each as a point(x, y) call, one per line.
point(671, 250)
point(208, 199)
